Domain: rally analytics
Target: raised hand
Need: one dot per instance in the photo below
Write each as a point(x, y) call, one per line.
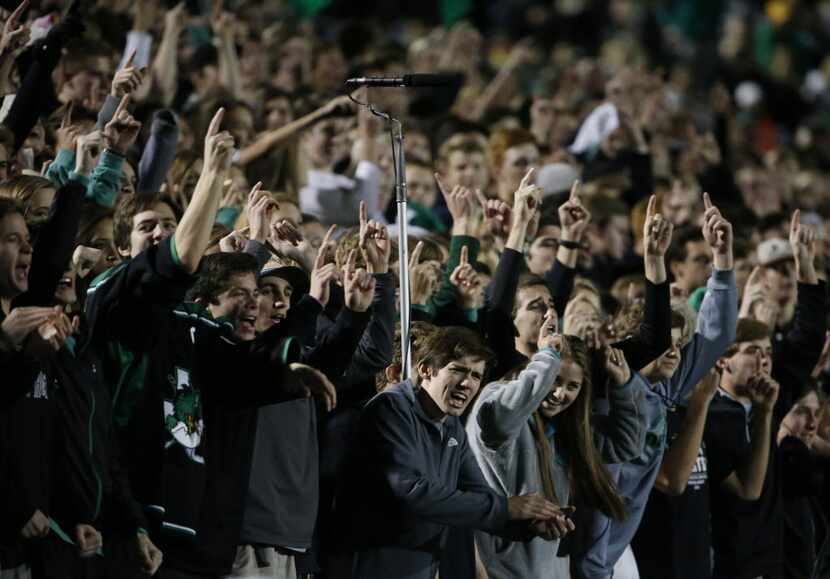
point(88, 539)
point(128, 79)
point(549, 336)
point(67, 134)
point(526, 200)
point(174, 19)
point(763, 392)
point(323, 273)
point(218, 146)
point(358, 285)
point(657, 231)
point(717, 232)
point(459, 202)
point(803, 244)
point(706, 388)
point(122, 130)
point(573, 216)
point(87, 152)
point(15, 35)
point(84, 259)
point(233, 242)
point(260, 206)
point(497, 215)
point(316, 384)
point(467, 282)
point(757, 301)
point(423, 277)
point(374, 243)
point(617, 366)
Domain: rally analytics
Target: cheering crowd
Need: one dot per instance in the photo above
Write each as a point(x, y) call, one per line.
point(619, 228)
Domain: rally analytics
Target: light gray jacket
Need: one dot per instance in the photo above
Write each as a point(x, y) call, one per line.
point(500, 435)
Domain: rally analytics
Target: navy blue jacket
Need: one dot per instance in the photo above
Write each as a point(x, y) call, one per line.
point(409, 479)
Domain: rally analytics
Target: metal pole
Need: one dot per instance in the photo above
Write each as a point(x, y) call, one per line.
point(403, 250)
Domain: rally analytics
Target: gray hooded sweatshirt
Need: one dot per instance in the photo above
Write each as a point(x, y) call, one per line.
point(716, 325)
point(501, 438)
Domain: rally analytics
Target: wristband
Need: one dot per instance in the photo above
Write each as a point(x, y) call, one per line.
point(570, 244)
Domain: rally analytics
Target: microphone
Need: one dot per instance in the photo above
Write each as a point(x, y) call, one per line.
point(407, 80)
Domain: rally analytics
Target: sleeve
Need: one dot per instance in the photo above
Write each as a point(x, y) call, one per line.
point(142, 43)
point(560, 280)
point(36, 96)
point(498, 320)
point(390, 432)
point(159, 152)
point(376, 348)
point(654, 335)
point(722, 455)
point(259, 251)
point(446, 294)
point(107, 111)
point(122, 511)
point(716, 326)
point(105, 181)
point(335, 347)
point(368, 178)
point(124, 303)
point(59, 169)
point(505, 407)
point(620, 435)
point(796, 355)
point(18, 373)
point(54, 246)
point(258, 369)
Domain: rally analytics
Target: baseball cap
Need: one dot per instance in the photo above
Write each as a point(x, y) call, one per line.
point(773, 250)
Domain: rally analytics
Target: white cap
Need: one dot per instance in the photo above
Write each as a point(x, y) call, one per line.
point(773, 250)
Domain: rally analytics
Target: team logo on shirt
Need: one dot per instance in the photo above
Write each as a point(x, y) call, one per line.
point(39, 388)
point(183, 415)
point(452, 442)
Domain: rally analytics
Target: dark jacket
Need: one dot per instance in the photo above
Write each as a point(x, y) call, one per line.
point(189, 395)
point(409, 479)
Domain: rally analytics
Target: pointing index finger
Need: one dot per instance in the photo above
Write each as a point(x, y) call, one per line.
point(465, 256)
point(526, 179)
point(416, 254)
point(15, 15)
point(575, 191)
point(121, 106)
point(652, 202)
point(707, 201)
point(67, 115)
point(796, 220)
point(216, 122)
point(130, 59)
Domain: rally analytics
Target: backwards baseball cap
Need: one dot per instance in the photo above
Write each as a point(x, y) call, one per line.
point(296, 276)
point(774, 250)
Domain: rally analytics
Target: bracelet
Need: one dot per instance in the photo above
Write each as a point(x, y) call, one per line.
point(570, 244)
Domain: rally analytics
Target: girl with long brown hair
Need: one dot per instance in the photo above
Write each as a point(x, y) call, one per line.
point(533, 431)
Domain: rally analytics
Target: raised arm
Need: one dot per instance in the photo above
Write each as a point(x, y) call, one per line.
point(274, 138)
point(505, 407)
point(747, 481)
point(654, 335)
point(193, 232)
point(620, 435)
point(230, 71)
point(574, 219)
point(681, 456)
point(718, 317)
point(165, 67)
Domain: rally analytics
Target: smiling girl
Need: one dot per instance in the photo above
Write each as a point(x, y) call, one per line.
point(532, 433)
